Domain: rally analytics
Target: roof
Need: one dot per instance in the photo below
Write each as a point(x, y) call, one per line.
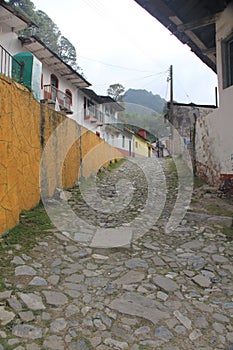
point(108, 99)
point(191, 21)
point(51, 59)
point(191, 105)
point(13, 18)
point(92, 95)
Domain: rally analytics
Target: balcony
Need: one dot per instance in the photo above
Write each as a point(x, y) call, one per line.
point(53, 96)
point(92, 114)
point(10, 67)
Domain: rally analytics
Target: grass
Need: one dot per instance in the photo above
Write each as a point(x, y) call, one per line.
point(218, 210)
point(32, 224)
point(116, 163)
point(228, 231)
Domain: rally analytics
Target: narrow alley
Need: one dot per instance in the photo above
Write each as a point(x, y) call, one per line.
point(142, 287)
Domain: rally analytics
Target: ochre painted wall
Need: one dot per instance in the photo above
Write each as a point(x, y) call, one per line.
point(142, 147)
point(28, 130)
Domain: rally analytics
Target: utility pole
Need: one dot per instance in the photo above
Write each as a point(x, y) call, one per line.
point(170, 113)
point(171, 91)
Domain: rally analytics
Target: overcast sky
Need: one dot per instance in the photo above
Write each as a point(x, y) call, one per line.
point(117, 41)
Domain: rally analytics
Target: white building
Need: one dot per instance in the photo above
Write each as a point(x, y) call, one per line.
point(54, 83)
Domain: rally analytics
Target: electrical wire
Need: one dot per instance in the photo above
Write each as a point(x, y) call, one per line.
point(115, 66)
point(132, 80)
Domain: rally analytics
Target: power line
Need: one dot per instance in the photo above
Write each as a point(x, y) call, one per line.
point(116, 66)
point(128, 81)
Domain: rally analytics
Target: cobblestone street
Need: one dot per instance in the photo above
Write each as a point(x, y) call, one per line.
point(148, 289)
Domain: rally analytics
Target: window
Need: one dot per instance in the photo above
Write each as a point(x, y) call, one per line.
point(136, 144)
point(42, 81)
point(123, 141)
point(227, 51)
point(69, 93)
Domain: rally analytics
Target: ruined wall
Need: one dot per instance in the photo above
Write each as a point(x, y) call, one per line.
point(25, 129)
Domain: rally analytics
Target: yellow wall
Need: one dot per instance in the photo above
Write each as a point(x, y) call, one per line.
point(25, 129)
point(141, 146)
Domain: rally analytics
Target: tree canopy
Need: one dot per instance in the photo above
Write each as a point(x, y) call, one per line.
point(48, 32)
point(116, 91)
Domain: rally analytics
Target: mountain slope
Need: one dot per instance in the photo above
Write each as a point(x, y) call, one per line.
point(144, 98)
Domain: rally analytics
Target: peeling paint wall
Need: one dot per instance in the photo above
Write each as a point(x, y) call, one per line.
point(25, 129)
point(214, 132)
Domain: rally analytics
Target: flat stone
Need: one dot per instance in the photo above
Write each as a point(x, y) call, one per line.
point(116, 344)
point(112, 237)
point(183, 319)
point(53, 279)
point(14, 304)
point(25, 270)
point(18, 261)
point(162, 296)
point(165, 283)
point(75, 278)
point(137, 305)
point(58, 325)
point(38, 281)
point(221, 318)
point(219, 259)
point(55, 298)
point(26, 316)
point(136, 263)
point(163, 333)
point(45, 316)
point(54, 342)
point(142, 332)
point(151, 246)
point(5, 316)
point(202, 281)
point(158, 261)
point(180, 329)
point(228, 305)
point(201, 322)
point(195, 334)
point(195, 244)
point(82, 237)
point(130, 277)
point(100, 257)
point(5, 295)
point(27, 331)
point(81, 344)
point(32, 301)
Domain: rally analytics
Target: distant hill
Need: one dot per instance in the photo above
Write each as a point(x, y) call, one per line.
point(144, 110)
point(144, 98)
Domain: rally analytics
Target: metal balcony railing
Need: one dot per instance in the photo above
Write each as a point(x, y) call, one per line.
point(6, 66)
point(53, 95)
point(93, 113)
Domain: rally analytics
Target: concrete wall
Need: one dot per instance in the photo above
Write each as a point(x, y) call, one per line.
point(214, 132)
point(25, 128)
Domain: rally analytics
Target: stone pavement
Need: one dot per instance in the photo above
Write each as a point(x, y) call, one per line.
point(154, 291)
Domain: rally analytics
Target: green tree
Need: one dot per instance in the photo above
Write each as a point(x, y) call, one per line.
point(67, 52)
point(25, 6)
point(48, 31)
point(116, 91)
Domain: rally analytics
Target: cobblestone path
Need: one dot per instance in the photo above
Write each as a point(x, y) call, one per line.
point(157, 291)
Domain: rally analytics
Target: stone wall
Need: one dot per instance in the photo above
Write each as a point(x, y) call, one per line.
point(26, 130)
